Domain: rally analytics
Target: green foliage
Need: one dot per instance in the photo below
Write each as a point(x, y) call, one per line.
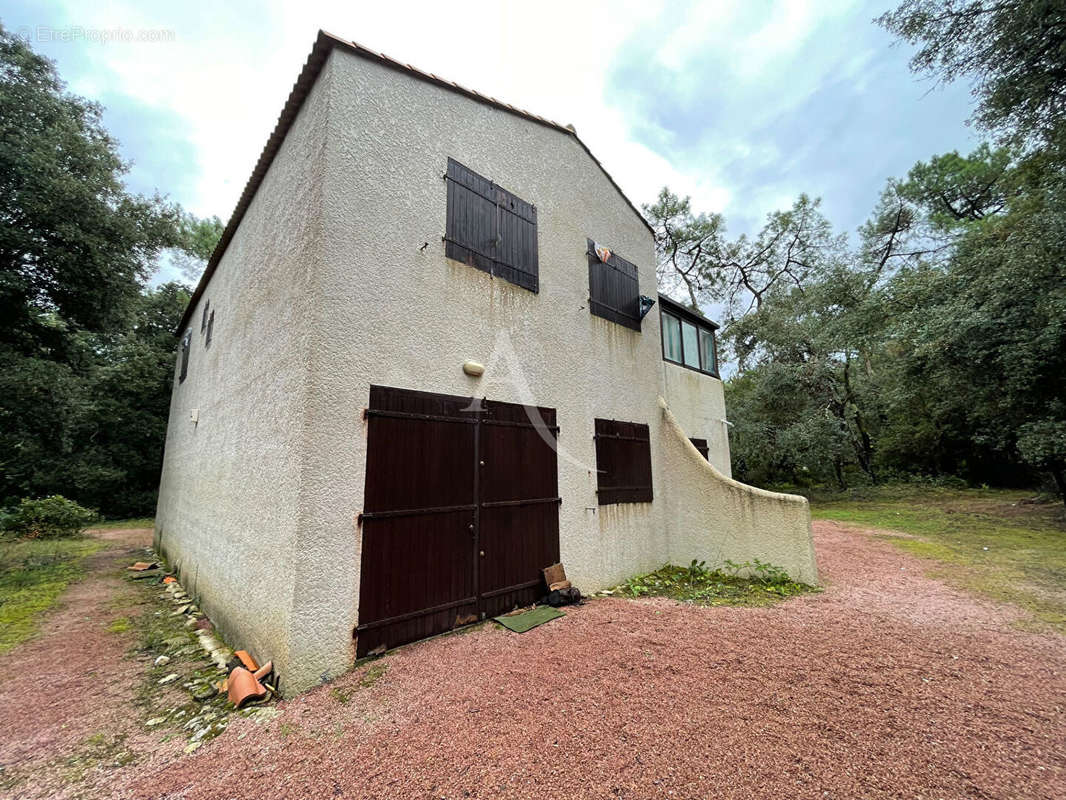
point(697, 261)
point(197, 239)
point(86, 352)
point(937, 345)
point(49, 517)
point(74, 244)
point(1013, 53)
point(750, 583)
point(33, 574)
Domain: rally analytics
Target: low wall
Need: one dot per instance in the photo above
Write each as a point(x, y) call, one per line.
point(714, 518)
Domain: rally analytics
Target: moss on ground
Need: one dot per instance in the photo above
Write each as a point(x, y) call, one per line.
point(994, 543)
point(33, 574)
point(373, 674)
point(748, 584)
point(98, 751)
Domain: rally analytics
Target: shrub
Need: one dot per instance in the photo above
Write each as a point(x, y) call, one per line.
point(48, 517)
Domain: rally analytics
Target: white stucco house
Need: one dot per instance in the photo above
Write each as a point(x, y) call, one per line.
point(426, 360)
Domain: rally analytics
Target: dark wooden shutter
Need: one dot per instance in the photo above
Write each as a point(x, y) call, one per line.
point(623, 462)
point(186, 342)
point(490, 228)
point(203, 322)
point(210, 329)
point(614, 292)
point(701, 445)
point(516, 251)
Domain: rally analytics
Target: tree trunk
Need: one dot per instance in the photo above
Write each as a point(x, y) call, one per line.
point(839, 470)
point(1059, 475)
point(864, 444)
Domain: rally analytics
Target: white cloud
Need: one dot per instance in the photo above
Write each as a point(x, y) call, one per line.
point(228, 71)
point(733, 72)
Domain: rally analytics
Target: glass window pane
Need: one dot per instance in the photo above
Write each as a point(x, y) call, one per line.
point(692, 344)
point(707, 350)
point(672, 337)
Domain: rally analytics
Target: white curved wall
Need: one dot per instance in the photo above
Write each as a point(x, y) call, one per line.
point(714, 518)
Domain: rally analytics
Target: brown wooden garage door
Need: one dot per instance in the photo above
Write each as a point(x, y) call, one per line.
point(460, 514)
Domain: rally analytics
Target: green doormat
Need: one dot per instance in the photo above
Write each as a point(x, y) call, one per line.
point(520, 623)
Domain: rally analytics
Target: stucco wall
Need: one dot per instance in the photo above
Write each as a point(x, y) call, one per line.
point(698, 404)
point(230, 492)
point(714, 518)
point(337, 280)
point(394, 314)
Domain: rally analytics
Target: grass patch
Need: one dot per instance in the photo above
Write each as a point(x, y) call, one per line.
point(373, 674)
point(747, 584)
point(33, 574)
point(995, 543)
point(124, 524)
point(120, 625)
point(340, 696)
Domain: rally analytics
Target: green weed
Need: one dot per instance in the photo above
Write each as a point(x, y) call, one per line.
point(751, 583)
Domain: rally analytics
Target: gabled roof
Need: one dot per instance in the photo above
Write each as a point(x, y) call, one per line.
point(324, 45)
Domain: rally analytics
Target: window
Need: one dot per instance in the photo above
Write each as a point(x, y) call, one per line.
point(688, 338)
point(614, 293)
point(623, 462)
point(203, 321)
point(186, 342)
point(671, 337)
point(210, 328)
point(490, 229)
point(701, 445)
point(707, 350)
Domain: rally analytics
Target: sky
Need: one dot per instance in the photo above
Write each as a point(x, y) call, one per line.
point(740, 104)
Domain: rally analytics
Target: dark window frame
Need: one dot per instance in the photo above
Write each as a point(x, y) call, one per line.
point(623, 462)
point(668, 307)
point(701, 445)
point(186, 345)
point(512, 252)
point(203, 321)
point(210, 328)
point(620, 269)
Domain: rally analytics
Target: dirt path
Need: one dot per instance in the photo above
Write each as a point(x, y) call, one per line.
point(887, 684)
point(67, 696)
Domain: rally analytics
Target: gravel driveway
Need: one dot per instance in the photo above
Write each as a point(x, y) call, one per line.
point(887, 684)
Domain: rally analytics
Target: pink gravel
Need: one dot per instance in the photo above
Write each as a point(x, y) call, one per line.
point(887, 684)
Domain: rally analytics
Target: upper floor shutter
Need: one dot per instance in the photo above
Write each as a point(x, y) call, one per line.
point(614, 292)
point(490, 228)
